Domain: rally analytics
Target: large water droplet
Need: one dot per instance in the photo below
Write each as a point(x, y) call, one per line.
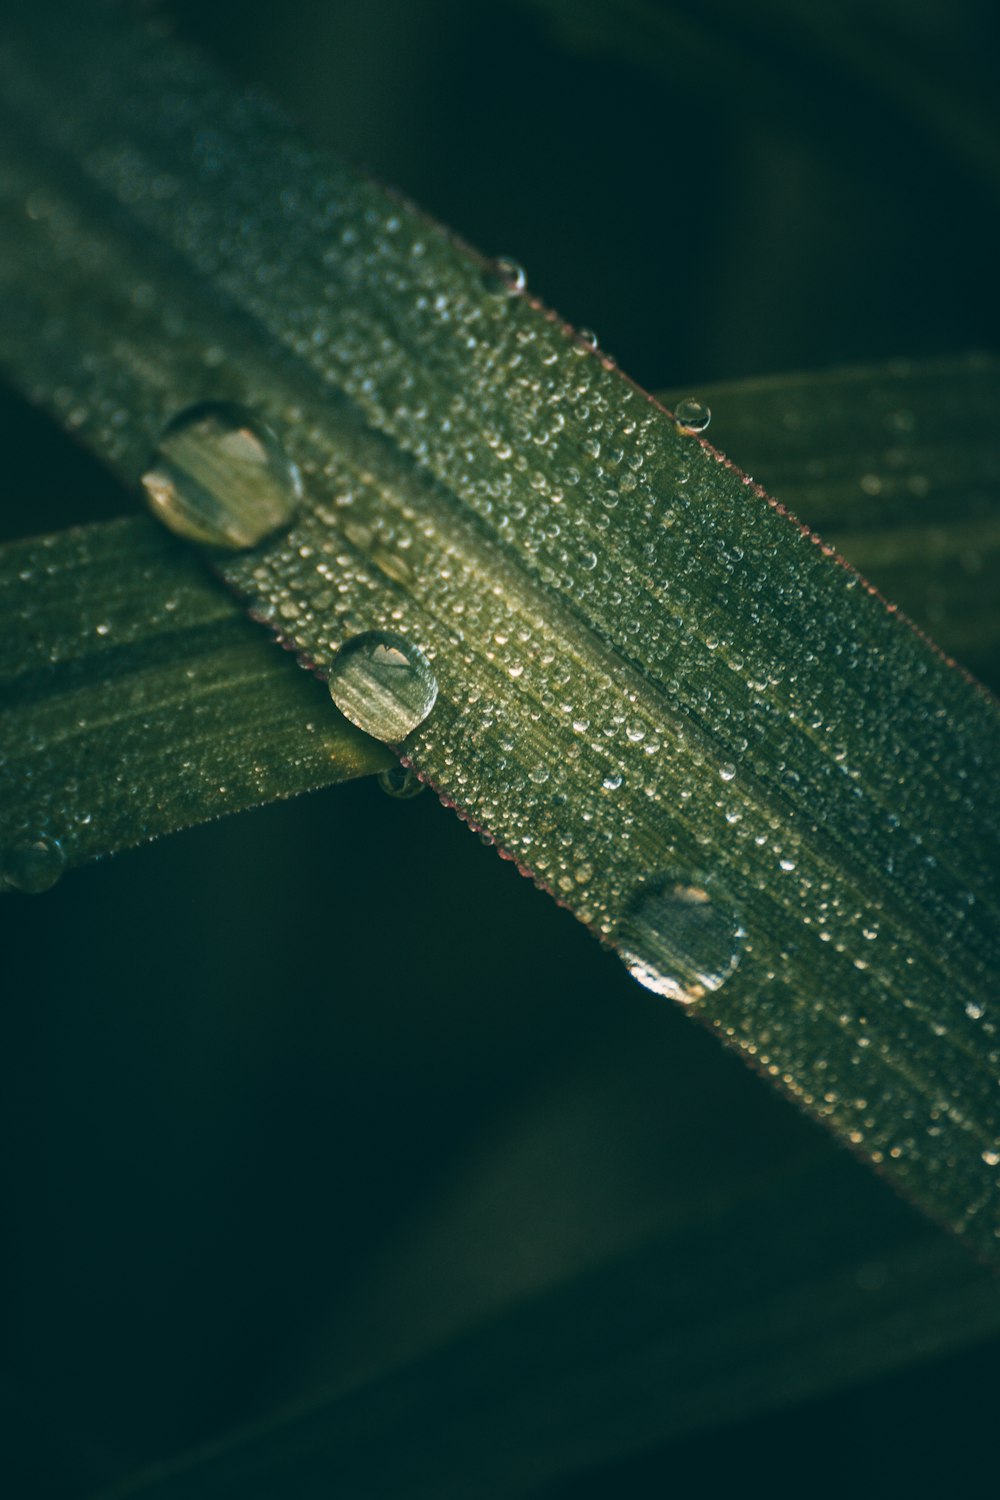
point(221, 477)
point(691, 415)
point(32, 865)
point(679, 941)
point(401, 782)
point(383, 684)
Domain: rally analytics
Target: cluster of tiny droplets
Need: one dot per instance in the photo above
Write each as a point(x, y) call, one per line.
point(648, 681)
point(187, 736)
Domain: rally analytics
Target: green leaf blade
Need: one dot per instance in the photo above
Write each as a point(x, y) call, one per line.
point(126, 584)
point(647, 673)
point(138, 700)
point(898, 467)
point(773, 1297)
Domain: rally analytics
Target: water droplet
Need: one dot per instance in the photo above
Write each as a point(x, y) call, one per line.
point(505, 278)
point(221, 477)
point(33, 865)
point(679, 941)
point(401, 782)
point(691, 415)
point(589, 337)
point(612, 781)
point(383, 684)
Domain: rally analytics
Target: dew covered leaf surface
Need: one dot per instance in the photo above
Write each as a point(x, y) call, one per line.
point(657, 694)
point(898, 467)
point(137, 699)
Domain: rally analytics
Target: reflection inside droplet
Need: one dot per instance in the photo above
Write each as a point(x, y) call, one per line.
point(383, 684)
point(401, 782)
point(691, 415)
point(32, 865)
point(221, 477)
point(680, 941)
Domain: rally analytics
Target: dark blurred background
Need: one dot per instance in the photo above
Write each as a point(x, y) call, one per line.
point(253, 1071)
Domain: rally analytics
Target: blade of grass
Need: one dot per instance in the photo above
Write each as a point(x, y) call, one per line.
point(902, 479)
point(897, 467)
point(774, 1297)
point(137, 698)
point(932, 75)
point(650, 680)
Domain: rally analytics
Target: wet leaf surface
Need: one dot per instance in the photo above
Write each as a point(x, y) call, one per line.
point(136, 699)
point(658, 695)
point(898, 467)
point(617, 1257)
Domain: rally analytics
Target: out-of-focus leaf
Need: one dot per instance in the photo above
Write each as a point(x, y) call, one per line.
point(136, 698)
point(656, 693)
point(898, 467)
point(933, 72)
point(784, 1287)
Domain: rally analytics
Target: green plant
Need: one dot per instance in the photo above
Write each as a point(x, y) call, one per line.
point(94, 357)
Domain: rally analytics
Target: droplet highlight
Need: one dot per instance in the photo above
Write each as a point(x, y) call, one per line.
point(383, 684)
point(401, 782)
point(32, 865)
point(680, 941)
point(220, 476)
point(691, 415)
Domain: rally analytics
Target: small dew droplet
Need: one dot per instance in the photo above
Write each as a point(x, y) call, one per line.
point(383, 684)
point(505, 278)
point(401, 782)
point(679, 941)
point(221, 477)
point(691, 415)
point(33, 865)
point(589, 337)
